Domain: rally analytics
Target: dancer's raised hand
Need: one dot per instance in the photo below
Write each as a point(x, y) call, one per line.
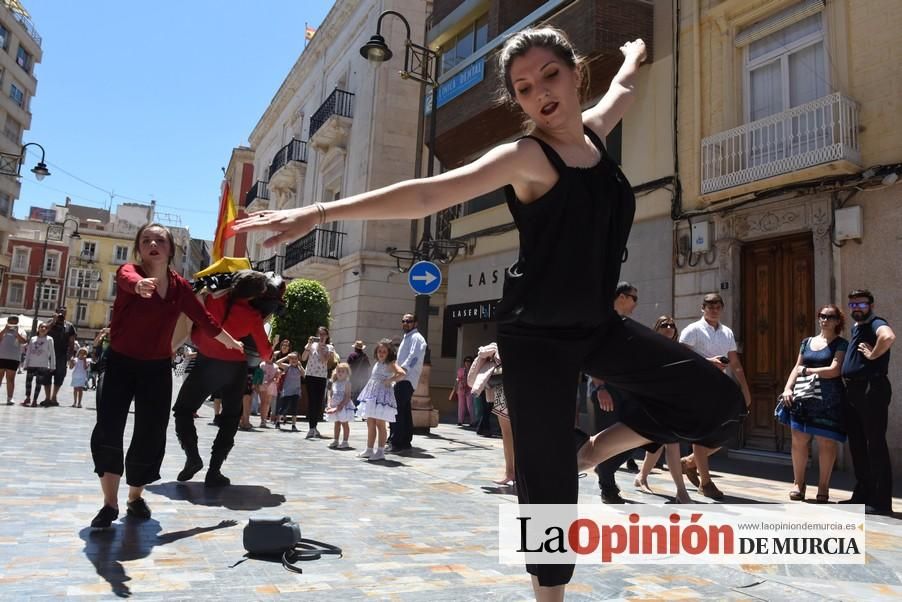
point(289, 224)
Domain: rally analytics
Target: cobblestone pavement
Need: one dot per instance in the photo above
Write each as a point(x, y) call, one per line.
point(418, 527)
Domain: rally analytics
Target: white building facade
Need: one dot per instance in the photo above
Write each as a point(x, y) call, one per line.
point(337, 127)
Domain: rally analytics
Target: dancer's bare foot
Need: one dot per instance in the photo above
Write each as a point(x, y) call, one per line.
point(682, 497)
point(642, 485)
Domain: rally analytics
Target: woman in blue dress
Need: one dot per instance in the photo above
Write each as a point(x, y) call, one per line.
point(821, 355)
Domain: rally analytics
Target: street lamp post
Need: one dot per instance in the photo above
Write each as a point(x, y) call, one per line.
point(11, 165)
point(55, 233)
point(420, 64)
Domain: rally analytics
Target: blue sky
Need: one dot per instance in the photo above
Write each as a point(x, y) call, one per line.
point(147, 98)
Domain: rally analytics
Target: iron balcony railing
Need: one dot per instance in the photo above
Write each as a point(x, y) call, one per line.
point(29, 27)
point(338, 103)
point(814, 133)
point(319, 243)
point(296, 150)
point(259, 190)
point(267, 265)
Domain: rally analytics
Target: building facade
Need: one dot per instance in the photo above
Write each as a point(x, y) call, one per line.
point(36, 273)
point(20, 52)
point(338, 127)
point(789, 151)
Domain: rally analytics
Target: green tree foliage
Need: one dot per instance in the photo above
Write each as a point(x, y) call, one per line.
point(307, 307)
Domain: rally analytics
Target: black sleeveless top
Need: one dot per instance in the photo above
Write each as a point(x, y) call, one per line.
point(572, 241)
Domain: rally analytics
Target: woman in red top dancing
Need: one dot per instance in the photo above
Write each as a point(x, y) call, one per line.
point(150, 297)
point(222, 370)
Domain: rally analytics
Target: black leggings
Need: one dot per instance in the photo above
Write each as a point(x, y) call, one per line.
point(209, 376)
point(42, 377)
point(675, 394)
point(316, 393)
point(149, 383)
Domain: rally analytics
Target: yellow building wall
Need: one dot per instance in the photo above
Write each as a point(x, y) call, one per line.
point(98, 310)
point(864, 63)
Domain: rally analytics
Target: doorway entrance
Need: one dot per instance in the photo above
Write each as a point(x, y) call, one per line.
point(777, 313)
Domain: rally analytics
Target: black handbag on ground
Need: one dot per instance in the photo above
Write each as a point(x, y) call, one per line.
point(281, 538)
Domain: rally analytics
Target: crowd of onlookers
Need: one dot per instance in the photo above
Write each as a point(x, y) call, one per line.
point(45, 357)
point(376, 390)
point(836, 391)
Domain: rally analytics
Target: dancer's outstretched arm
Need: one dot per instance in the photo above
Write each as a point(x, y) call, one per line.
point(511, 163)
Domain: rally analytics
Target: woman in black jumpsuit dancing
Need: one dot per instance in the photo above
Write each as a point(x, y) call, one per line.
point(573, 208)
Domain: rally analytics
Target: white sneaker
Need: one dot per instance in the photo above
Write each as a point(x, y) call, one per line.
point(334, 444)
point(378, 455)
point(310, 434)
point(343, 445)
point(367, 453)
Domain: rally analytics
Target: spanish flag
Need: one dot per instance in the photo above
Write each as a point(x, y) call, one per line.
point(227, 216)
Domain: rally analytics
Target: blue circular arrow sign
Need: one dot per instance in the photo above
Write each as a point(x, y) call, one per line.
point(424, 277)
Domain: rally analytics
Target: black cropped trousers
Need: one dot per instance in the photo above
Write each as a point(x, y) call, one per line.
point(673, 394)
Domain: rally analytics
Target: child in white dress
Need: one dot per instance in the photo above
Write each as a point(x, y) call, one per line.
point(377, 399)
point(80, 365)
point(339, 408)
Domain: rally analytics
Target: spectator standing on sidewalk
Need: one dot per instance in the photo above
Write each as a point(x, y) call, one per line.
point(63, 334)
point(868, 394)
point(715, 342)
point(11, 341)
point(609, 402)
point(820, 356)
point(665, 326)
point(360, 370)
point(411, 354)
point(40, 363)
point(317, 353)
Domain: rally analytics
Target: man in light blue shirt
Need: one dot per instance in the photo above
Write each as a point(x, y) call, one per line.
point(411, 354)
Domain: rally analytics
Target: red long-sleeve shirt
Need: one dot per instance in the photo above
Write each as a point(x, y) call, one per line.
point(243, 320)
point(142, 327)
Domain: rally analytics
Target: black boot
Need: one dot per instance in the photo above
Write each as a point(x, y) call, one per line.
point(187, 435)
point(214, 477)
point(193, 464)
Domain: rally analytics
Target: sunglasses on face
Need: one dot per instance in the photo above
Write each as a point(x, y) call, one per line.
point(406, 321)
point(860, 305)
point(668, 325)
point(827, 316)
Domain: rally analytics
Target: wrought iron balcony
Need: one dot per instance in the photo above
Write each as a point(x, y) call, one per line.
point(296, 150)
point(331, 123)
point(259, 190)
point(325, 244)
point(268, 265)
point(819, 132)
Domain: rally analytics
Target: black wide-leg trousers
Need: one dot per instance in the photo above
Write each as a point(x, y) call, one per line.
point(209, 376)
point(149, 383)
point(673, 394)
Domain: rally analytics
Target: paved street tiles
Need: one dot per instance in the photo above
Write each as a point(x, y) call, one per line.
point(421, 526)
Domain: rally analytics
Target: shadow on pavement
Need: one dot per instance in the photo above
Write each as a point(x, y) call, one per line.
point(132, 540)
point(233, 497)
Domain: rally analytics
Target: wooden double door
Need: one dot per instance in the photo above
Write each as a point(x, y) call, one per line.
point(778, 311)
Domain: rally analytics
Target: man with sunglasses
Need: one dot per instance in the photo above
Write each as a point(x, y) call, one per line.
point(411, 354)
point(715, 342)
point(608, 401)
point(868, 394)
